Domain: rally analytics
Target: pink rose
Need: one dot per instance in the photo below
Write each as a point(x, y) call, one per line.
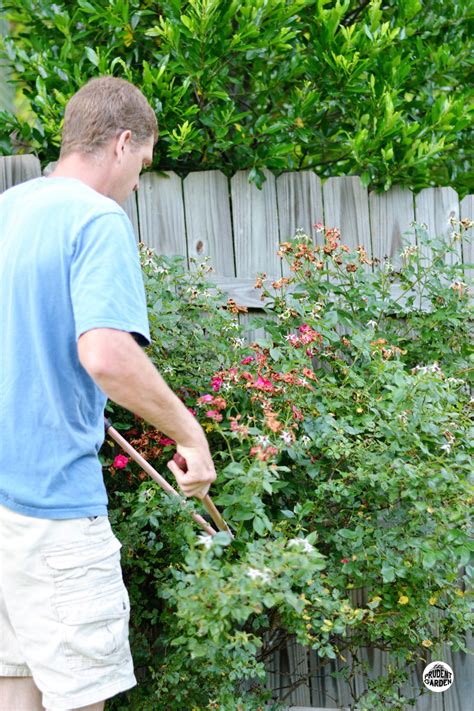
point(120, 461)
point(165, 441)
point(264, 384)
point(205, 399)
point(246, 360)
point(214, 415)
point(216, 383)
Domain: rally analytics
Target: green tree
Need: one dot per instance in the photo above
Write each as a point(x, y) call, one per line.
point(378, 89)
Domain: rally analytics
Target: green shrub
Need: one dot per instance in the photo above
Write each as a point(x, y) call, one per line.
point(374, 89)
point(343, 445)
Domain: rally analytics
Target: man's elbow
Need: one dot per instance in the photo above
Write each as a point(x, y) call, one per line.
point(102, 353)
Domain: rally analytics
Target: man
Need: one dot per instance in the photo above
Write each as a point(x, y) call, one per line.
point(73, 320)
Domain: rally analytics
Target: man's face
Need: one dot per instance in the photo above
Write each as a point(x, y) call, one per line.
point(133, 158)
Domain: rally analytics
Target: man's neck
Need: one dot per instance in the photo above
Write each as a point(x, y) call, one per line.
point(92, 171)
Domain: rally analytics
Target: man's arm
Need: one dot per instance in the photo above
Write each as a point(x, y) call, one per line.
point(127, 376)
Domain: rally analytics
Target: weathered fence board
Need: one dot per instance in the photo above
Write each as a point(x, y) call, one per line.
point(300, 206)
point(255, 219)
point(300, 203)
point(161, 213)
point(298, 663)
point(435, 207)
point(391, 213)
point(208, 220)
point(466, 212)
point(346, 206)
point(18, 169)
point(131, 208)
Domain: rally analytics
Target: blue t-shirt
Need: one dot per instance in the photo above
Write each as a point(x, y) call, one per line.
point(68, 263)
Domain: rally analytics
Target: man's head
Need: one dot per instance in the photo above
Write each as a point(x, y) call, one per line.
point(108, 137)
point(100, 111)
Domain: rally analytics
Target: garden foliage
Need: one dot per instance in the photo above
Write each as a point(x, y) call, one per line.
point(376, 89)
point(342, 438)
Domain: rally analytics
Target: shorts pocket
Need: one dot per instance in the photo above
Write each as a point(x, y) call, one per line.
point(91, 604)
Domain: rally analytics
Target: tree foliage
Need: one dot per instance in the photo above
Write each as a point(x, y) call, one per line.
point(377, 89)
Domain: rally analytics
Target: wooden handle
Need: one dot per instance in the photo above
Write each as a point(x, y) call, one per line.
point(215, 515)
point(157, 477)
point(207, 501)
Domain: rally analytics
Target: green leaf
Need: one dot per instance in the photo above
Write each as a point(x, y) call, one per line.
point(429, 559)
point(388, 573)
point(92, 56)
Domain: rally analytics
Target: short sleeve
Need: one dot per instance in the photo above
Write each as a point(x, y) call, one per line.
point(106, 282)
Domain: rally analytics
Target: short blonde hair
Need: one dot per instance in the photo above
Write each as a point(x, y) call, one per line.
point(100, 110)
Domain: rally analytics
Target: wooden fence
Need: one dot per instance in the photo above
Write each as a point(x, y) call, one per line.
point(239, 227)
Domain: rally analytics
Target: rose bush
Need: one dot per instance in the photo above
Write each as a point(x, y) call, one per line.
point(343, 444)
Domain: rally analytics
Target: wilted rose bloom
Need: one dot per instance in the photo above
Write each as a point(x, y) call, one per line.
point(297, 414)
point(120, 461)
point(263, 454)
point(293, 339)
point(219, 403)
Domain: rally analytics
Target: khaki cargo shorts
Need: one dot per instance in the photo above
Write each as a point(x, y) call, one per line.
point(64, 609)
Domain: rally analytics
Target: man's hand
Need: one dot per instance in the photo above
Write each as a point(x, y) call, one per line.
point(195, 472)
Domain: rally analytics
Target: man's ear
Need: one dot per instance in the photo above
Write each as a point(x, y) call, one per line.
point(121, 141)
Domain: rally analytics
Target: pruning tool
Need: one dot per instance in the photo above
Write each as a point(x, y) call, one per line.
point(166, 486)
